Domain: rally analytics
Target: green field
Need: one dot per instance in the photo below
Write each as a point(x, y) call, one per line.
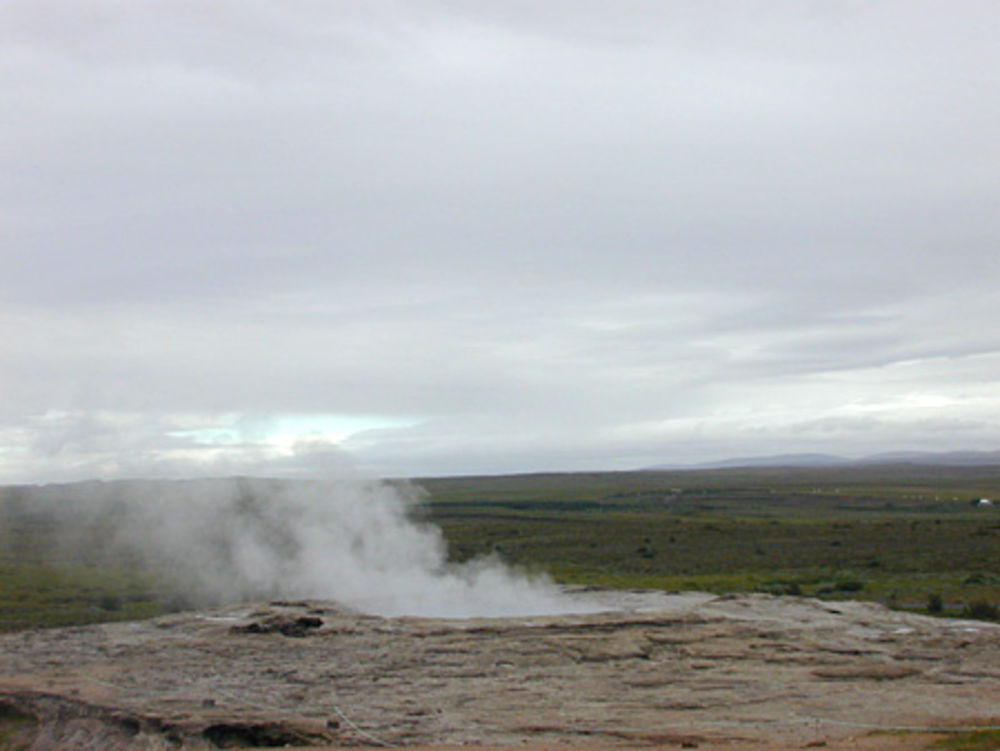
point(907, 536)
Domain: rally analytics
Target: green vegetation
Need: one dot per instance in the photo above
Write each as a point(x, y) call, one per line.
point(59, 595)
point(973, 740)
point(17, 730)
point(907, 536)
point(51, 575)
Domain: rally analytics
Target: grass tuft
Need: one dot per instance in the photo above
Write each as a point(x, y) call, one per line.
point(973, 740)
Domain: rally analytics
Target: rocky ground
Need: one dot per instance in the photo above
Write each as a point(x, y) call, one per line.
point(685, 670)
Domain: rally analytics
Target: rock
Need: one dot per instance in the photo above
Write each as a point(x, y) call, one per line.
point(758, 669)
point(281, 624)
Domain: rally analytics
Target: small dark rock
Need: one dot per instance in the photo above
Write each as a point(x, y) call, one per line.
point(281, 624)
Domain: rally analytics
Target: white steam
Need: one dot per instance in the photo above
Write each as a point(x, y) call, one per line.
point(349, 540)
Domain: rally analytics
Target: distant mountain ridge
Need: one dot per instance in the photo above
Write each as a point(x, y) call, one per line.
point(945, 458)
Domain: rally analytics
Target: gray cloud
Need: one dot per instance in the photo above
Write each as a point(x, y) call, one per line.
point(537, 236)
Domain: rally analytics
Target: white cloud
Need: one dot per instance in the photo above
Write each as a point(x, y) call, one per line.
point(515, 236)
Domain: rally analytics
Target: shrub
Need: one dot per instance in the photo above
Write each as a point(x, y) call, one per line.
point(934, 603)
point(981, 610)
point(849, 585)
point(110, 603)
point(781, 588)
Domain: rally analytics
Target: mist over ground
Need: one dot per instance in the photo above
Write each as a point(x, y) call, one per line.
point(357, 541)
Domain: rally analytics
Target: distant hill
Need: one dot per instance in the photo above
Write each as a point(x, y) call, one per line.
point(780, 460)
point(947, 458)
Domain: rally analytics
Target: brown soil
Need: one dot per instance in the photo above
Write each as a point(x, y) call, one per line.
point(746, 672)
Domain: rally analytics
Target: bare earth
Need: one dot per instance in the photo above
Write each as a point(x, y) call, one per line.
point(744, 672)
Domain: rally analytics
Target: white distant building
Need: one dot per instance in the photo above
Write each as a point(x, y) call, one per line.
point(984, 502)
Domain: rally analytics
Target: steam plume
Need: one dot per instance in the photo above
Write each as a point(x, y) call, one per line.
point(350, 540)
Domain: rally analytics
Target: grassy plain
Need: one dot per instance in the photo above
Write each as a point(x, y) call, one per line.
point(908, 536)
point(54, 572)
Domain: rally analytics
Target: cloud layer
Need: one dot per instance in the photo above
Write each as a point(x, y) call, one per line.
point(510, 236)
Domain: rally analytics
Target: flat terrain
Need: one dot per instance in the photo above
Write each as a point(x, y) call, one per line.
point(906, 536)
point(812, 629)
point(683, 670)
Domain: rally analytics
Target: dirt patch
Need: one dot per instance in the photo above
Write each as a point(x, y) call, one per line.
point(746, 672)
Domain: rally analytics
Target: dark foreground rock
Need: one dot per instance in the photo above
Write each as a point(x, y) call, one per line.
point(682, 669)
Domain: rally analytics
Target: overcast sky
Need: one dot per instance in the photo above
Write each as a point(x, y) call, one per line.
point(432, 237)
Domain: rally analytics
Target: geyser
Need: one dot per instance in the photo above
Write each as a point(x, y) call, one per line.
point(347, 539)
